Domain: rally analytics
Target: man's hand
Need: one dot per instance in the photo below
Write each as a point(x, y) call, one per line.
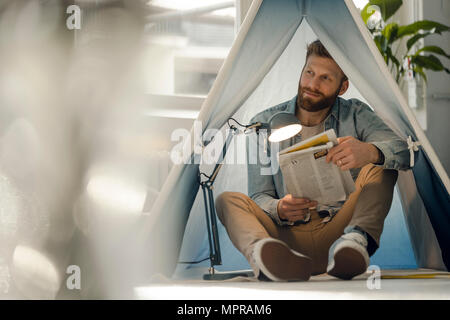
point(294, 209)
point(351, 153)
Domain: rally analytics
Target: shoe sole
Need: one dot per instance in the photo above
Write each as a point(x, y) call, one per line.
point(348, 263)
point(280, 263)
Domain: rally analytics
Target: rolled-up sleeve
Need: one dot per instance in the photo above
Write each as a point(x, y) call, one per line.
point(372, 129)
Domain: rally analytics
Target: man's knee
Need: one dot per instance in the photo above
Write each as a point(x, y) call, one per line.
point(224, 199)
point(229, 196)
point(375, 174)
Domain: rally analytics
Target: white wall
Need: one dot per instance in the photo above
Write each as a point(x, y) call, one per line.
point(438, 111)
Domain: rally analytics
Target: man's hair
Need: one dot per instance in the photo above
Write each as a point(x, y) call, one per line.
point(317, 48)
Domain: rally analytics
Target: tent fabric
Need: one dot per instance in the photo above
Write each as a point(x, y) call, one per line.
point(425, 244)
point(436, 201)
point(265, 34)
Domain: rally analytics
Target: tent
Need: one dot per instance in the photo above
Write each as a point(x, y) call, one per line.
point(261, 70)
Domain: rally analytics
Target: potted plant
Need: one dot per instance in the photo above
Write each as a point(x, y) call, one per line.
point(413, 59)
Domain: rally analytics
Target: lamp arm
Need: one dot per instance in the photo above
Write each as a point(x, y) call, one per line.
point(210, 210)
point(219, 163)
point(256, 125)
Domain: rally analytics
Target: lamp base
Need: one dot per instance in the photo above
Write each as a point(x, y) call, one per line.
point(220, 276)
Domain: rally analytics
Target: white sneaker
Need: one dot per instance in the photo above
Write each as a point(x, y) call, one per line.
point(280, 263)
point(348, 256)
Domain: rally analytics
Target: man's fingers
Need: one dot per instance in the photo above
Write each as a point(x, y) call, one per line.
point(291, 206)
point(346, 163)
point(294, 200)
point(334, 151)
point(299, 215)
point(342, 139)
point(338, 148)
point(347, 166)
point(339, 156)
point(298, 201)
point(294, 208)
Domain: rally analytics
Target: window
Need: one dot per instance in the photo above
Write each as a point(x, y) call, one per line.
point(188, 40)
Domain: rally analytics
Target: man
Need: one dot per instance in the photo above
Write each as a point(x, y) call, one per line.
point(286, 238)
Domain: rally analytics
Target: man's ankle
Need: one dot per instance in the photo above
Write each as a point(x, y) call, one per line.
point(372, 245)
point(356, 229)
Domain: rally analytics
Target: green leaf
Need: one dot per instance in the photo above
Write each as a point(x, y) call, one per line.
point(366, 12)
point(419, 70)
point(387, 7)
point(381, 42)
point(390, 32)
point(434, 49)
point(376, 39)
point(411, 41)
point(413, 28)
point(428, 62)
point(392, 57)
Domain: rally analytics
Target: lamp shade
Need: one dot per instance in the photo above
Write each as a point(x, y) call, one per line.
point(283, 126)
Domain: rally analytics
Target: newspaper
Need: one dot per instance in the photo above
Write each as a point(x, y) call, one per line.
point(307, 174)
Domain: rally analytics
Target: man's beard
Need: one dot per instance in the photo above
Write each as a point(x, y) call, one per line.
point(324, 101)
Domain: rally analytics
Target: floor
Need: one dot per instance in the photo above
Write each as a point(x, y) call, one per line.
point(420, 284)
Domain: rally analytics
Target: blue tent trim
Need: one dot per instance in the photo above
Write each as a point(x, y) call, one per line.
point(436, 200)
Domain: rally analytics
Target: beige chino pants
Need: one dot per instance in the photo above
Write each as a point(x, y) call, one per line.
point(366, 207)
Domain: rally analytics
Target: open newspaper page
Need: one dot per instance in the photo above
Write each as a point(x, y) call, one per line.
point(307, 174)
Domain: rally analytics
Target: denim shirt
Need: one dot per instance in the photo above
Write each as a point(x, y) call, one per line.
point(347, 118)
